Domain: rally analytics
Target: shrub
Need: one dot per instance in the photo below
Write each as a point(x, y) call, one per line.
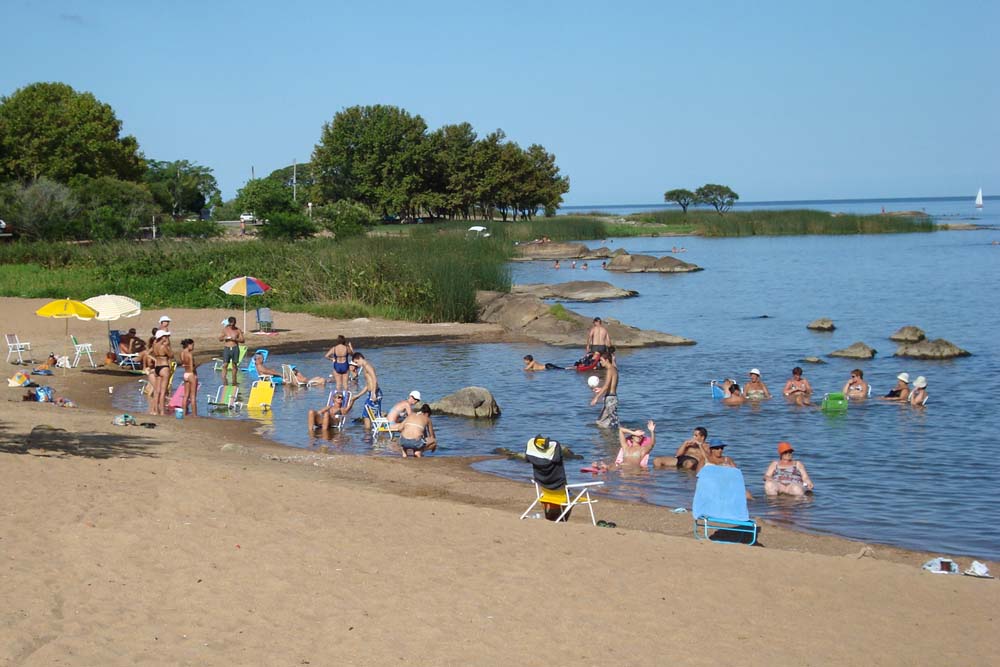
point(288, 226)
point(345, 218)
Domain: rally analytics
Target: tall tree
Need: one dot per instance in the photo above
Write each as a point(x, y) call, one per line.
point(182, 187)
point(264, 197)
point(49, 129)
point(721, 197)
point(681, 197)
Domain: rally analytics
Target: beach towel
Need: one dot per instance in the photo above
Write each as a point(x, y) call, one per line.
point(721, 493)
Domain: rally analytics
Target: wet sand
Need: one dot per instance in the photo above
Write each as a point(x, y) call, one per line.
point(197, 542)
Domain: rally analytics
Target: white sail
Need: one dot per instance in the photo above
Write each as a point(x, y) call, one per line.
point(979, 198)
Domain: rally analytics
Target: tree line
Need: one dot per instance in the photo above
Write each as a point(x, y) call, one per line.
point(719, 197)
point(68, 172)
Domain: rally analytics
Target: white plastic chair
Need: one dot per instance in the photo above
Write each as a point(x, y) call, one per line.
point(82, 349)
point(288, 376)
point(575, 494)
point(15, 346)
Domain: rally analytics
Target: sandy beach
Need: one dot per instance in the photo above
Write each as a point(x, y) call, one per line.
point(199, 543)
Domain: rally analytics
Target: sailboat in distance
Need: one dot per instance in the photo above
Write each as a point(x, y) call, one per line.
point(979, 198)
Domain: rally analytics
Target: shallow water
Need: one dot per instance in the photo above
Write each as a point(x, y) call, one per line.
point(885, 473)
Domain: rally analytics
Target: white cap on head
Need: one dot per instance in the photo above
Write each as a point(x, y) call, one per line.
point(920, 382)
point(905, 377)
point(755, 371)
point(164, 318)
point(161, 333)
point(415, 395)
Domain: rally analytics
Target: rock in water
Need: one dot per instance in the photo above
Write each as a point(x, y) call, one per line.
point(855, 351)
point(577, 290)
point(476, 402)
point(931, 349)
point(811, 360)
point(908, 334)
point(649, 264)
point(822, 324)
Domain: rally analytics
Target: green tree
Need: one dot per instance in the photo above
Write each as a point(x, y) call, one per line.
point(51, 130)
point(721, 197)
point(450, 169)
point(111, 208)
point(182, 187)
point(372, 154)
point(681, 197)
point(264, 198)
point(45, 210)
point(289, 226)
point(546, 186)
point(301, 174)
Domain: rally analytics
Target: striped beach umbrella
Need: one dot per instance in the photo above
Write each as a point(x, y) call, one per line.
point(245, 286)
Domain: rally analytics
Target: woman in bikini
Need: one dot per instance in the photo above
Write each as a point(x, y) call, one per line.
point(635, 446)
point(340, 355)
point(786, 475)
point(798, 388)
point(755, 389)
point(190, 377)
point(162, 354)
point(856, 388)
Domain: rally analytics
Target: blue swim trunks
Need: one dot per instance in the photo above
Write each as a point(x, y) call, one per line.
point(374, 400)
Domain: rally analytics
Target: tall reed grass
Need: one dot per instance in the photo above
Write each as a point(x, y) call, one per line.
point(424, 278)
point(786, 223)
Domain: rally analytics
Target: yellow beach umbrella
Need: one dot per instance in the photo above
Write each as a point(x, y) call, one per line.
point(64, 309)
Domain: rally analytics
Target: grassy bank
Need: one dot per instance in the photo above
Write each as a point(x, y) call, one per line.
point(778, 223)
point(425, 278)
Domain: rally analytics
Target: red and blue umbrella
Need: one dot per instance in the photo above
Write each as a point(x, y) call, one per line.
point(245, 286)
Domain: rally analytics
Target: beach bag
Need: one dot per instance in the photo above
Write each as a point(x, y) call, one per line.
point(45, 395)
point(19, 379)
point(124, 420)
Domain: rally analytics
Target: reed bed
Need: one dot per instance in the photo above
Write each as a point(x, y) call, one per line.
point(785, 223)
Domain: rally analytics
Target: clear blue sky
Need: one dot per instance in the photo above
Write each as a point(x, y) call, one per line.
point(779, 100)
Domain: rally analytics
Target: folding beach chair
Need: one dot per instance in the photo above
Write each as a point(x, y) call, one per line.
point(226, 396)
point(340, 420)
point(380, 423)
point(128, 360)
point(261, 394)
point(251, 367)
point(288, 376)
point(82, 349)
point(720, 504)
point(15, 346)
point(218, 364)
point(568, 497)
point(264, 319)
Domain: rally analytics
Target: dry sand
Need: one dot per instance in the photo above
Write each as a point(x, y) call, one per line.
point(198, 543)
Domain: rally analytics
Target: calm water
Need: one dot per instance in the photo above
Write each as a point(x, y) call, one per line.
point(884, 473)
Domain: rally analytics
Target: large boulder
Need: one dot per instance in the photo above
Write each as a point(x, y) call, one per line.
point(855, 351)
point(561, 251)
point(822, 324)
point(576, 290)
point(529, 316)
point(648, 264)
point(476, 402)
point(908, 334)
point(931, 349)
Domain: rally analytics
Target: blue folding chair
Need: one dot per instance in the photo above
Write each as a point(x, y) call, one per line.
point(720, 504)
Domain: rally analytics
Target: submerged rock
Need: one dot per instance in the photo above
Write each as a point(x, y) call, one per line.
point(811, 360)
point(931, 349)
point(648, 264)
point(856, 351)
point(561, 251)
point(576, 290)
point(908, 334)
point(529, 316)
point(475, 402)
point(822, 324)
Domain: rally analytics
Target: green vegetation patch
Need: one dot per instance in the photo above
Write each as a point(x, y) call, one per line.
point(784, 223)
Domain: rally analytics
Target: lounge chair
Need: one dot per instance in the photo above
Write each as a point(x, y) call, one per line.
point(251, 367)
point(720, 505)
point(568, 497)
point(380, 423)
point(82, 349)
point(288, 376)
point(339, 421)
point(15, 346)
point(264, 319)
point(128, 360)
point(261, 394)
point(226, 396)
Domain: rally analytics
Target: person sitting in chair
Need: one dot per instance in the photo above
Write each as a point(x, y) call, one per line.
point(549, 472)
point(324, 417)
point(262, 370)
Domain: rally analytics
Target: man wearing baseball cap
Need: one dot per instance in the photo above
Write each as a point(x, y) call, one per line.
point(399, 412)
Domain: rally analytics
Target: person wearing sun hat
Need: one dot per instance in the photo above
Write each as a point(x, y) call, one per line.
point(164, 323)
point(901, 392)
point(786, 475)
point(755, 389)
point(919, 394)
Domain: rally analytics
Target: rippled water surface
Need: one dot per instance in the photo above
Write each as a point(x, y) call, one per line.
point(883, 472)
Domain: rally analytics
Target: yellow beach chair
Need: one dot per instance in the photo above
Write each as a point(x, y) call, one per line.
point(261, 394)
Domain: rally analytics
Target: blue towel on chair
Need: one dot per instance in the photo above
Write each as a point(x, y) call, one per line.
point(721, 493)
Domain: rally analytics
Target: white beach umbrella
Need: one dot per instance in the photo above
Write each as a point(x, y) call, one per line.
point(112, 307)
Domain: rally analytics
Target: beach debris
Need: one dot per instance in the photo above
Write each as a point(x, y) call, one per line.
point(977, 569)
point(822, 324)
point(125, 419)
point(941, 565)
point(864, 552)
point(235, 448)
point(679, 510)
point(908, 334)
point(856, 350)
point(931, 349)
point(475, 402)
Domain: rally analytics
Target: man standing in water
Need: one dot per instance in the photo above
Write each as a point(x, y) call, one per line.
point(609, 390)
point(374, 400)
point(231, 338)
point(598, 338)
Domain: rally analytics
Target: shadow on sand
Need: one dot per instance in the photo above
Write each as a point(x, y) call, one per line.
point(50, 441)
